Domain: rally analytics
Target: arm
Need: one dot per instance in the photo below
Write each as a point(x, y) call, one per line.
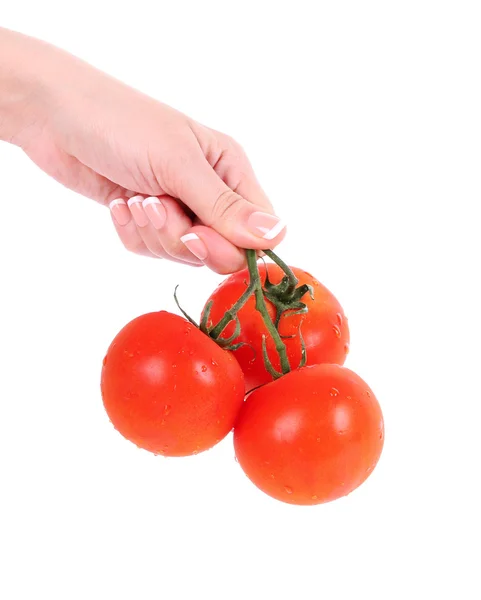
point(109, 142)
point(20, 88)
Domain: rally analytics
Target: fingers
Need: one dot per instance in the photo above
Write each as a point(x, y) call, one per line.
point(213, 250)
point(158, 227)
point(144, 227)
point(176, 225)
point(243, 222)
point(153, 227)
point(126, 228)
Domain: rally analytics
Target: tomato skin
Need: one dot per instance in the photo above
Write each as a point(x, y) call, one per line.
point(324, 327)
point(168, 388)
point(310, 437)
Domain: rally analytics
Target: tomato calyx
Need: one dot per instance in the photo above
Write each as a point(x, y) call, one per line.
point(254, 288)
point(286, 296)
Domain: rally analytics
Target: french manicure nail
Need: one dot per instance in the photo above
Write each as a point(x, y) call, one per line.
point(195, 245)
point(135, 205)
point(155, 211)
point(265, 226)
point(120, 211)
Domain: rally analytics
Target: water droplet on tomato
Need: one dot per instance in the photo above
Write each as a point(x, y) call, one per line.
point(368, 393)
point(346, 348)
point(318, 439)
point(334, 392)
point(236, 459)
point(174, 365)
point(273, 476)
point(381, 435)
point(203, 368)
point(167, 409)
point(288, 489)
point(129, 354)
point(188, 330)
point(339, 319)
point(314, 497)
point(336, 330)
point(214, 363)
point(104, 362)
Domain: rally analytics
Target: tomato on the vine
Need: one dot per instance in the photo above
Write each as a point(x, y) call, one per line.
point(169, 388)
point(324, 327)
point(311, 436)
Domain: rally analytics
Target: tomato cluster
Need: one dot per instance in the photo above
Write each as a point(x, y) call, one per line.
point(306, 436)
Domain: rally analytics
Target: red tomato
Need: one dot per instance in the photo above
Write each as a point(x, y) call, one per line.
point(169, 388)
point(324, 327)
point(311, 436)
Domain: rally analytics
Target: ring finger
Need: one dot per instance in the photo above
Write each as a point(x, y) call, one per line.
point(158, 229)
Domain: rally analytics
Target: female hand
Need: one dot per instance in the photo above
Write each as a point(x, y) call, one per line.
point(176, 189)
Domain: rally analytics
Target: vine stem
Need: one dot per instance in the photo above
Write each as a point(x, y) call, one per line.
point(261, 306)
point(231, 314)
point(293, 281)
point(255, 288)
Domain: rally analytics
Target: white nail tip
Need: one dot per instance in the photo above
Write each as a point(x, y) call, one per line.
point(188, 237)
point(134, 200)
point(151, 200)
point(117, 202)
point(270, 234)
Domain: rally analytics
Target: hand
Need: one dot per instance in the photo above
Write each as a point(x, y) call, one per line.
point(176, 189)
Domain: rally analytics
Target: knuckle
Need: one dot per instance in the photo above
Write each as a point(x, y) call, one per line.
point(175, 249)
point(232, 144)
point(226, 205)
point(105, 196)
point(134, 246)
point(236, 152)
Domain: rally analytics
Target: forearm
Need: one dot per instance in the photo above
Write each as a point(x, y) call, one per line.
point(23, 89)
point(38, 82)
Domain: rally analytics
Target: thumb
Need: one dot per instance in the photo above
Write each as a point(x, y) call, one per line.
point(247, 222)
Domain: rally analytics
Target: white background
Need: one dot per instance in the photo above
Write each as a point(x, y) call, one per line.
point(363, 122)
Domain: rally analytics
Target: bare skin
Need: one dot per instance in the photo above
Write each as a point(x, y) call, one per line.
point(176, 189)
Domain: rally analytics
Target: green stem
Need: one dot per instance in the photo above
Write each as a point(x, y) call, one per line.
point(188, 317)
point(293, 281)
point(230, 314)
point(261, 306)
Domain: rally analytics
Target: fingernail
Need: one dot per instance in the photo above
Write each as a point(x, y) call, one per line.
point(265, 226)
point(155, 211)
point(195, 245)
point(135, 205)
point(120, 211)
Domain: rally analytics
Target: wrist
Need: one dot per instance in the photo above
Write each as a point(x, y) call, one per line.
point(22, 93)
